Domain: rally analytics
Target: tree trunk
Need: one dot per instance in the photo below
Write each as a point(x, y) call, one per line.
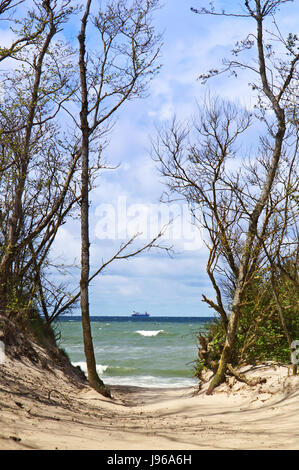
point(93, 377)
point(226, 354)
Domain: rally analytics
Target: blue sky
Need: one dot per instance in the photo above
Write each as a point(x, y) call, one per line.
point(154, 282)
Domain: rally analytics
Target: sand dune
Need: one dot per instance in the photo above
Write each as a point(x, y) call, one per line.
point(41, 409)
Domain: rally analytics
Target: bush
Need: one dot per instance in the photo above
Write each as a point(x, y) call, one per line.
point(260, 336)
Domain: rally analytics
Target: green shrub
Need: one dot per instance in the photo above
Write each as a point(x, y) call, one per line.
point(260, 336)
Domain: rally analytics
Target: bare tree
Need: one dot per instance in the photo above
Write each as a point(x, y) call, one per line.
point(234, 204)
point(40, 184)
point(35, 186)
point(28, 36)
point(273, 94)
point(116, 73)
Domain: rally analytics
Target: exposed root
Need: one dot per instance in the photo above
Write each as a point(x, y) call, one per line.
point(242, 377)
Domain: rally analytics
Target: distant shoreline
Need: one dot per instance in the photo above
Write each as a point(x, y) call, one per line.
point(66, 318)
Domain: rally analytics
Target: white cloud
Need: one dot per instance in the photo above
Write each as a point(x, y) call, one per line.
point(67, 245)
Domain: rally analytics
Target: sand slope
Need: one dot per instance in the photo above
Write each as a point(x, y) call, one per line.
point(42, 409)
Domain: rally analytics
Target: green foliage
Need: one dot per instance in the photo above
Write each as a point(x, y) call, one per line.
point(22, 310)
point(40, 329)
point(34, 326)
point(260, 336)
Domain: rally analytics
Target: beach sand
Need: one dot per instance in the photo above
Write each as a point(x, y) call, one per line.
point(42, 409)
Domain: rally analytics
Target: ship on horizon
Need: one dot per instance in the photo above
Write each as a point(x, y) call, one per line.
point(137, 314)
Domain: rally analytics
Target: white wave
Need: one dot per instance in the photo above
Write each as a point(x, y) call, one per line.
point(142, 381)
point(82, 365)
point(100, 368)
point(152, 382)
point(149, 333)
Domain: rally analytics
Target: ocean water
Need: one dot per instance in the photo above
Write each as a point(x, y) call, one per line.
point(151, 352)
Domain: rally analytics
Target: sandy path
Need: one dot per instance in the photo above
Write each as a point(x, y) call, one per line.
point(36, 414)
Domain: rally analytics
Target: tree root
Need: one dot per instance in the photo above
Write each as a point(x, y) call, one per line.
point(242, 378)
point(101, 388)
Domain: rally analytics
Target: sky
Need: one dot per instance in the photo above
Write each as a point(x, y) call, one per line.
point(127, 199)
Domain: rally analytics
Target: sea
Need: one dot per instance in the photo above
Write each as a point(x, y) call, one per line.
point(145, 352)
